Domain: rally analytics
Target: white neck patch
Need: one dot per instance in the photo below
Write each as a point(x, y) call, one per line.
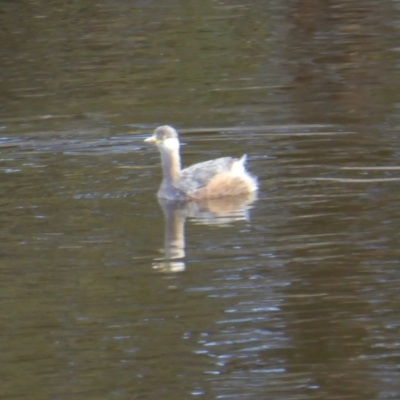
point(172, 144)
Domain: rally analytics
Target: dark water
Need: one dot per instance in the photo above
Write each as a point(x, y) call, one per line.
point(294, 295)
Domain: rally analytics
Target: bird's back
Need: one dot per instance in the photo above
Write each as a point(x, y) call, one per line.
point(199, 175)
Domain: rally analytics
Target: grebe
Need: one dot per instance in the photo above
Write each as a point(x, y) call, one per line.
point(221, 177)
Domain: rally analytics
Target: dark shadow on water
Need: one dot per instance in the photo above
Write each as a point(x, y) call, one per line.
point(219, 211)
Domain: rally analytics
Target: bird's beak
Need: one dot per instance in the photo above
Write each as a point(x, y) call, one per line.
point(150, 139)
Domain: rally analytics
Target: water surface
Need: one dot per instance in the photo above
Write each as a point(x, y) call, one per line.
point(291, 296)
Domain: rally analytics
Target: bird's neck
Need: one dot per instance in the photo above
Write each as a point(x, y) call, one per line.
point(171, 165)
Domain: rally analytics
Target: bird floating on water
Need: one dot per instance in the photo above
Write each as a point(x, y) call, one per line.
point(221, 177)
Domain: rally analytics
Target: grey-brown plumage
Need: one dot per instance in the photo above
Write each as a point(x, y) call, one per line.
point(215, 178)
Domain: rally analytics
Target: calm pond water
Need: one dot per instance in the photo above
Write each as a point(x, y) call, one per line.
point(107, 293)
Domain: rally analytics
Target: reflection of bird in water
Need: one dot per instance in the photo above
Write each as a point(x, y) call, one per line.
point(220, 211)
point(210, 179)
